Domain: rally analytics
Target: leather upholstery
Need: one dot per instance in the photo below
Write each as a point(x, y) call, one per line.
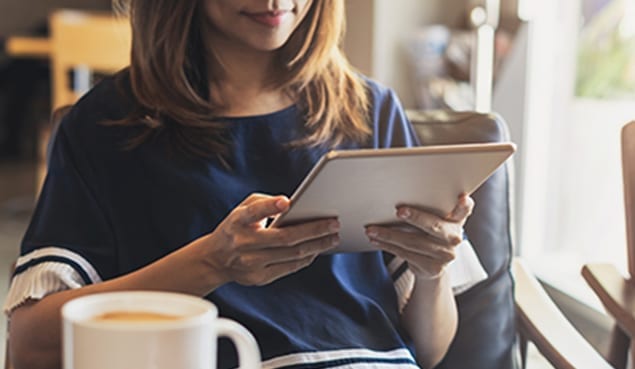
point(487, 332)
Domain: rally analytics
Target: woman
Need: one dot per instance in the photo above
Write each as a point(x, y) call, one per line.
point(162, 179)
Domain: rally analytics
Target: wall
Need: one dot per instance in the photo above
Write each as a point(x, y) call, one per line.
point(358, 43)
point(23, 16)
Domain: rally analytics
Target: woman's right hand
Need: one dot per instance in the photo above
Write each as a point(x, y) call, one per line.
point(240, 249)
point(243, 250)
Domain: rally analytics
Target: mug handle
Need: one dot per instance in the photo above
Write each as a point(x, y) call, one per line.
point(246, 345)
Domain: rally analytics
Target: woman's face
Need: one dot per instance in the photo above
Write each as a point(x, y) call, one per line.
point(263, 25)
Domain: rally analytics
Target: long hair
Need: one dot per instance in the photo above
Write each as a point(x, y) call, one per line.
point(170, 81)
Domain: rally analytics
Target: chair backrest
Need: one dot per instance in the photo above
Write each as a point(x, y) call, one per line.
point(621, 339)
point(98, 42)
point(628, 173)
point(609, 284)
point(620, 342)
point(487, 322)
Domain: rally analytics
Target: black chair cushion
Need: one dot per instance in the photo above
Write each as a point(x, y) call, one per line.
point(487, 331)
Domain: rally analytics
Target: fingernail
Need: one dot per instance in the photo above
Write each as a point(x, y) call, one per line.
point(334, 226)
point(372, 232)
point(404, 213)
point(282, 204)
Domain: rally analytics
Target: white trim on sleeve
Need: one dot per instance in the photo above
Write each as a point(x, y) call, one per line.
point(63, 253)
point(347, 358)
point(52, 271)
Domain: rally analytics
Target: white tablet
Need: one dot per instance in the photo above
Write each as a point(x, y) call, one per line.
point(363, 187)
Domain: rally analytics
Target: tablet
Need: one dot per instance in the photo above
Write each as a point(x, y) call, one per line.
point(363, 187)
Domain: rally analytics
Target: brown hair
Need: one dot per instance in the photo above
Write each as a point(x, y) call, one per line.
point(169, 77)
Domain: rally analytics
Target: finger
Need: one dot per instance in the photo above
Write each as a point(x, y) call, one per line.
point(255, 197)
point(271, 256)
point(254, 210)
point(418, 243)
point(463, 209)
point(421, 265)
point(279, 270)
point(437, 227)
point(299, 233)
point(265, 257)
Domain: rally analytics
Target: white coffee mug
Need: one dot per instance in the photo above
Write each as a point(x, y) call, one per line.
point(149, 330)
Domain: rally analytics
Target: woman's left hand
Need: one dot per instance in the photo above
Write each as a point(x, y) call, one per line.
point(431, 247)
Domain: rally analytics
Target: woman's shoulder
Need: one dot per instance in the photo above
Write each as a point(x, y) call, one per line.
point(391, 127)
point(108, 101)
point(378, 92)
point(383, 101)
point(111, 99)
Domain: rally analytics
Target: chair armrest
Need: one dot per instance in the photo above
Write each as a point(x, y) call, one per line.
point(541, 322)
point(616, 293)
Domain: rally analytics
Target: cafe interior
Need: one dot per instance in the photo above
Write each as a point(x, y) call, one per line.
point(554, 227)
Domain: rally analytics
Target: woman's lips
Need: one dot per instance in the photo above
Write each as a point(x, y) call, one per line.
point(269, 19)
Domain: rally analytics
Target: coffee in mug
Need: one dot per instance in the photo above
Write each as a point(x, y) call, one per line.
point(158, 330)
point(133, 316)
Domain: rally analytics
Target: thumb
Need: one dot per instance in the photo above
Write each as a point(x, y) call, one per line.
point(262, 208)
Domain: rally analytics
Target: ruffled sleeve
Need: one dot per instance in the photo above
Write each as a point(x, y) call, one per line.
point(45, 271)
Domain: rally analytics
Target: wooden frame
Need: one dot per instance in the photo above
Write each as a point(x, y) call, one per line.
point(616, 291)
point(541, 322)
point(95, 42)
point(29, 47)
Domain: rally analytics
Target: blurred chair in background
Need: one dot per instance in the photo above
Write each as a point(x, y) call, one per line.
point(616, 292)
point(85, 44)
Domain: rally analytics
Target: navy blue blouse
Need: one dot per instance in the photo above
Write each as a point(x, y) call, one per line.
point(106, 211)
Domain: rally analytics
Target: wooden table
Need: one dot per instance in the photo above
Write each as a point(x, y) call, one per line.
point(28, 47)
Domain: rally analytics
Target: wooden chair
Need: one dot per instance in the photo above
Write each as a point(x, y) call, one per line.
point(81, 44)
point(615, 291)
point(85, 42)
point(541, 323)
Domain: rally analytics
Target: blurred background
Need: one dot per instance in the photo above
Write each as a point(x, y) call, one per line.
point(561, 73)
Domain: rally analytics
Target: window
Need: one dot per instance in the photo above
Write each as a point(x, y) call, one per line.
point(606, 50)
point(581, 91)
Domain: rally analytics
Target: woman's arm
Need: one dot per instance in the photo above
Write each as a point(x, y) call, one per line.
point(430, 317)
point(240, 249)
point(35, 327)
